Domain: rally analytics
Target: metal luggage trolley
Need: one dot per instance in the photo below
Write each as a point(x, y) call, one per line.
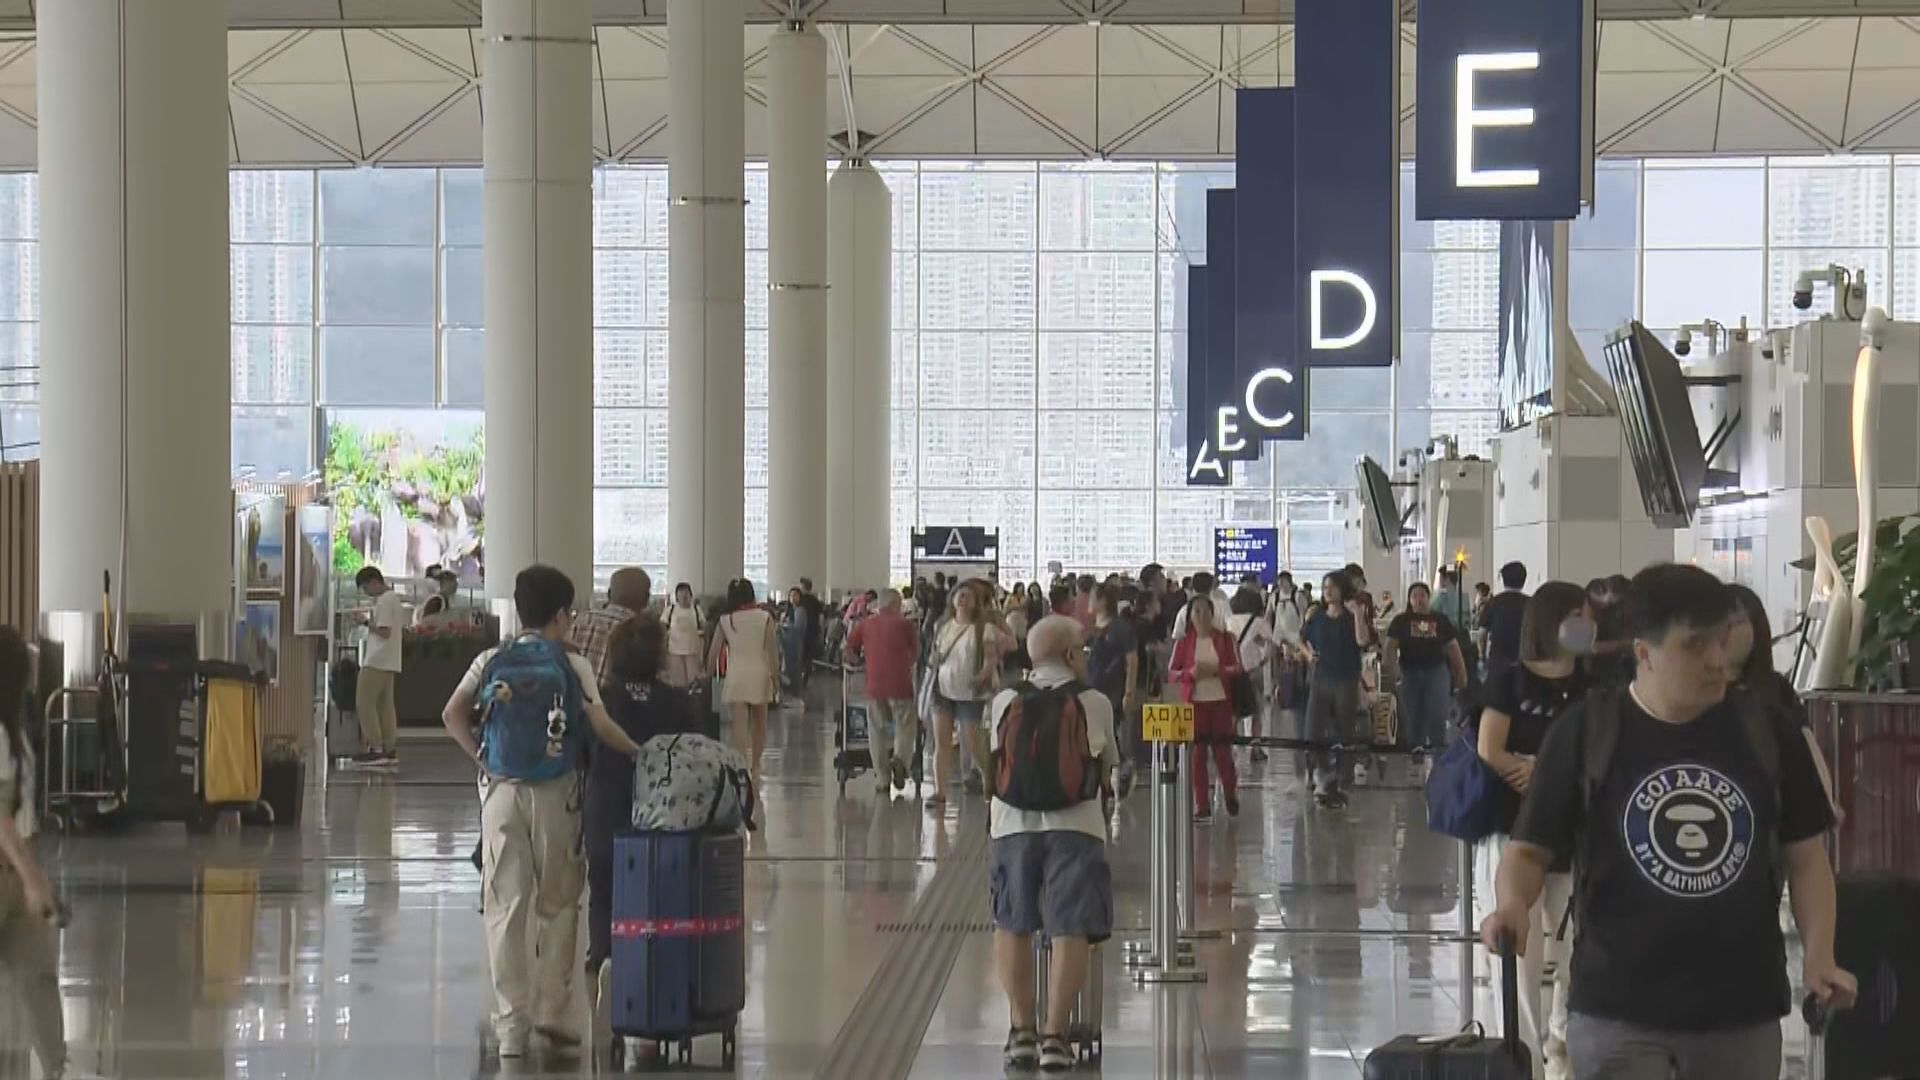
point(853, 734)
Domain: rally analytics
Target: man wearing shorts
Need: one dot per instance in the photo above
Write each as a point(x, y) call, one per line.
point(1048, 870)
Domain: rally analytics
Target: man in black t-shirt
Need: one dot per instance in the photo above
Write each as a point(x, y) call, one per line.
point(1684, 811)
point(1501, 618)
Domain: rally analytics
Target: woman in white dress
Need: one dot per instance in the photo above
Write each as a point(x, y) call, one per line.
point(686, 628)
point(745, 645)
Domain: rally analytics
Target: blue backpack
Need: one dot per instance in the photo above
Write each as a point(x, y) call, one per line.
point(534, 716)
point(1466, 799)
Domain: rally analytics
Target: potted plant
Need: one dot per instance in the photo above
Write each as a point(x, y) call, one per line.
point(283, 780)
point(1890, 634)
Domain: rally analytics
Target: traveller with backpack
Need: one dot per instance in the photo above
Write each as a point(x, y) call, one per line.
point(524, 711)
point(1053, 748)
point(1206, 663)
point(1684, 811)
point(1522, 704)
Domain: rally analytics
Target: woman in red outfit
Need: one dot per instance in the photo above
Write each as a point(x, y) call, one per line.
point(1204, 662)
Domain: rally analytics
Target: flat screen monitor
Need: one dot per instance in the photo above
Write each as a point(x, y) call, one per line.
point(1383, 510)
point(1527, 350)
point(1656, 418)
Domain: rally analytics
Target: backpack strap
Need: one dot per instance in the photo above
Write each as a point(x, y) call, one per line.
point(1600, 736)
point(1757, 723)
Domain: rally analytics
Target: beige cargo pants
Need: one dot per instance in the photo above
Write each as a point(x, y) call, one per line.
point(29, 983)
point(533, 871)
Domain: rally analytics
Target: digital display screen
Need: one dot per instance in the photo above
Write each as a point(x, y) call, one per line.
point(1239, 552)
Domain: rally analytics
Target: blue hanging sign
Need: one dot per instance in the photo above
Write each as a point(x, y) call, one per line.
point(1505, 127)
point(1273, 398)
point(1224, 387)
point(1204, 467)
point(1347, 181)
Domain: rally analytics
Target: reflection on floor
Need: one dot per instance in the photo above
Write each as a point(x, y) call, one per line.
point(352, 947)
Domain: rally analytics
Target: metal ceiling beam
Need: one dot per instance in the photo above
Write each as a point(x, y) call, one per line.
point(427, 14)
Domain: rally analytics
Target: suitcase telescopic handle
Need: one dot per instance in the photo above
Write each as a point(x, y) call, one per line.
point(1817, 1014)
point(1509, 993)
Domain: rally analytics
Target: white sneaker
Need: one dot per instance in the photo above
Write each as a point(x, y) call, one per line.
point(603, 1004)
point(513, 1044)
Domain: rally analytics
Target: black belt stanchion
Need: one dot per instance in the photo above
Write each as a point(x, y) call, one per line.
point(1170, 729)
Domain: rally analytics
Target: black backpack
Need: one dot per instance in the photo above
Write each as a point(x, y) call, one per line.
point(1044, 760)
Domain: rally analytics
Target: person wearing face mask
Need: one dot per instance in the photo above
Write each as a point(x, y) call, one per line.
point(1522, 703)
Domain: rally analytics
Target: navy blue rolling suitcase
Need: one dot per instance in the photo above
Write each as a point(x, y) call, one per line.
point(679, 940)
point(1469, 1055)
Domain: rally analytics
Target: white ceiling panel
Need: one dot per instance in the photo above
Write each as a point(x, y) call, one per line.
point(389, 95)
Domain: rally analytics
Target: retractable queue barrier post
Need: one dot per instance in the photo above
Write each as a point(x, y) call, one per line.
point(1170, 729)
point(1469, 932)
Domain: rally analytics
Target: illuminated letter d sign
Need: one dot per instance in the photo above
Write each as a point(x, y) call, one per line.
point(1317, 284)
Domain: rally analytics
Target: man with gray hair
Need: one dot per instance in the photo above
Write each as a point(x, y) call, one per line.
point(1047, 872)
point(629, 594)
point(889, 642)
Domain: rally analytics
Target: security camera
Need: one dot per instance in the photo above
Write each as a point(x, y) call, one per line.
point(1803, 290)
point(1683, 343)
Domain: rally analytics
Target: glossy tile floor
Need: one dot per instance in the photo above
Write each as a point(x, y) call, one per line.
point(352, 946)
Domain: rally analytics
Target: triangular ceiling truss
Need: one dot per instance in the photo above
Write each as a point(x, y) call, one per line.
point(304, 96)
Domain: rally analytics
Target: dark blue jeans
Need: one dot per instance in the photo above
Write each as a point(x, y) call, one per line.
point(1426, 697)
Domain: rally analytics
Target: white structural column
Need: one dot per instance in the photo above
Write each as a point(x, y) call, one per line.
point(134, 417)
point(797, 276)
point(859, 378)
point(706, 256)
point(537, 148)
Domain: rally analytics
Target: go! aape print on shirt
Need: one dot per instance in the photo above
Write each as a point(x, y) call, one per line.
point(1690, 829)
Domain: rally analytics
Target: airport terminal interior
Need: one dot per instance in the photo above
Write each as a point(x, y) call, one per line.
point(864, 322)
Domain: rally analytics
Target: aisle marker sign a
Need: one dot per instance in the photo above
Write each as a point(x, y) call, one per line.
point(1167, 723)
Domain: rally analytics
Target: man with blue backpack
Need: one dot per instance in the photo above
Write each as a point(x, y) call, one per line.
point(524, 712)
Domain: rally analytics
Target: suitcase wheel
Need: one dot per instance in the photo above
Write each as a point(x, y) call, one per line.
point(729, 1046)
point(617, 1054)
point(686, 1051)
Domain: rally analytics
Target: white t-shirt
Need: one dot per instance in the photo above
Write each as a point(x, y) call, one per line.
point(1085, 817)
point(1208, 688)
point(11, 776)
point(1254, 644)
point(683, 631)
point(383, 653)
point(962, 664)
point(582, 669)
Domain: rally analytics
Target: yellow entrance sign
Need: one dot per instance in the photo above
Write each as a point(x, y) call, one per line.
point(1168, 723)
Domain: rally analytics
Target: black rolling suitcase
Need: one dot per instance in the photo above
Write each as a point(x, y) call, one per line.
point(1468, 1055)
point(1877, 938)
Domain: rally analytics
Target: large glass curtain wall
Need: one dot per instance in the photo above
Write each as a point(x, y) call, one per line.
point(1039, 332)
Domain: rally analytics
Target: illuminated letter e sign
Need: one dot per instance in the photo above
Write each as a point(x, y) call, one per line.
point(1505, 123)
